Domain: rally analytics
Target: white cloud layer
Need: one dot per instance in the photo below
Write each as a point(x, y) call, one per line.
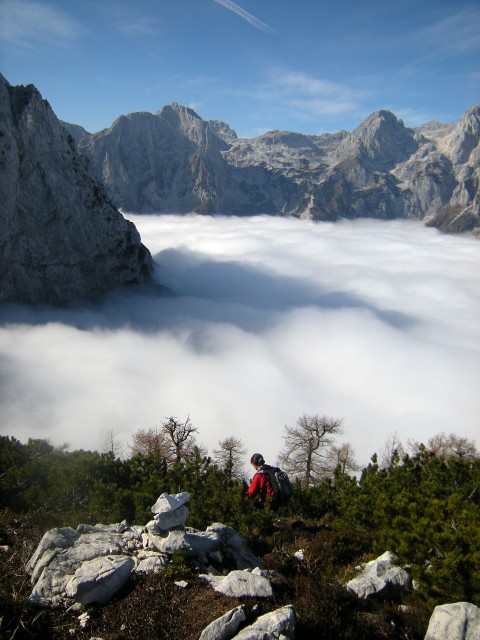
point(376, 323)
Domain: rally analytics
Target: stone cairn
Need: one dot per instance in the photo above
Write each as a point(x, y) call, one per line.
point(88, 565)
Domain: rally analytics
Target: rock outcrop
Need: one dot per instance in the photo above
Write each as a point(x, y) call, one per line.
point(224, 627)
point(456, 621)
point(380, 578)
point(249, 583)
point(174, 161)
point(90, 564)
point(275, 625)
point(61, 238)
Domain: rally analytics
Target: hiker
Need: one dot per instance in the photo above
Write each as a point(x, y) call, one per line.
point(261, 489)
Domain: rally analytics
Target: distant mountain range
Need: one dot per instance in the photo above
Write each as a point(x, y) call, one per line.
point(173, 161)
point(62, 237)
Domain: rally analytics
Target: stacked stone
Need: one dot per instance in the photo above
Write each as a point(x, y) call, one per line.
point(166, 532)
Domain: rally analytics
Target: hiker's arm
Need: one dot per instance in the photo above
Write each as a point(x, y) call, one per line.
point(254, 488)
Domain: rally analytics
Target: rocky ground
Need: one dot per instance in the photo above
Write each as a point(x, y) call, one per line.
point(154, 606)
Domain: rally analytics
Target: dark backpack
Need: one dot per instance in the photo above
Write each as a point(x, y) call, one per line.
point(282, 487)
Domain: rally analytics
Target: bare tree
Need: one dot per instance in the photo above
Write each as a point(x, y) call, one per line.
point(111, 443)
point(448, 446)
point(343, 457)
point(151, 441)
point(392, 451)
point(181, 438)
point(230, 456)
point(307, 449)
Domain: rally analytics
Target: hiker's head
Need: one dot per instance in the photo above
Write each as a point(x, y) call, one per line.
point(257, 460)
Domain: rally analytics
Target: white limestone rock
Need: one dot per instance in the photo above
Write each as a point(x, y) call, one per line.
point(234, 546)
point(169, 542)
point(64, 562)
point(62, 552)
point(456, 621)
point(204, 547)
point(224, 627)
point(170, 502)
point(97, 580)
point(380, 576)
point(55, 539)
point(276, 625)
point(241, 584)
point(151, 562)
point(166, 520)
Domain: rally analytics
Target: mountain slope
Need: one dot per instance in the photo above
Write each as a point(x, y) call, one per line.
point(61, 238)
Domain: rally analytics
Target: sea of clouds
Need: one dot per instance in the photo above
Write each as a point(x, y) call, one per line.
point(265, 319)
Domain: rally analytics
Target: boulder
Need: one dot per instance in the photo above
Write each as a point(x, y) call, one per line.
point(151, 562)
point(53, 540)
point(221, 545)
point(53, 567)
point(276, 625)
point(234, 546)
point(169, 519)
point(97, 580)
point(457, 621)
point(224, 627)
point(241, 584)
point(170, 511)
point(380, 577)
point(169, 542)
point(204, 547)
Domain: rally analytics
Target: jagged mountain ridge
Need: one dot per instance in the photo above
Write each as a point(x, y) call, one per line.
point(175, 161)
point(61, 238)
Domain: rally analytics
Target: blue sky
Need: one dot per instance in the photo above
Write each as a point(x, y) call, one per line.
point(300, 65)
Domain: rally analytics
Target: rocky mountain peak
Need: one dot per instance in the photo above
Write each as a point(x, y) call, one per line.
point(21, 98)
point(223, 131)
point(61, 238)
point(175, 113)
point(434, 130)
point(463, 143)
point(380, 142)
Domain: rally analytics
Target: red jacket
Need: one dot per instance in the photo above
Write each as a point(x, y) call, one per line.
point(261, 488)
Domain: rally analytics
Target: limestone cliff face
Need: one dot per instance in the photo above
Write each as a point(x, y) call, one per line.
point(61, 238)
point(168, 161)
point(175, 161)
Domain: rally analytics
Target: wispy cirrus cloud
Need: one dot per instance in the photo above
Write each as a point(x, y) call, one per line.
point(312, 96)
point(456, 34)
point(255, 22)
point(27, 24)
point(138, 26)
